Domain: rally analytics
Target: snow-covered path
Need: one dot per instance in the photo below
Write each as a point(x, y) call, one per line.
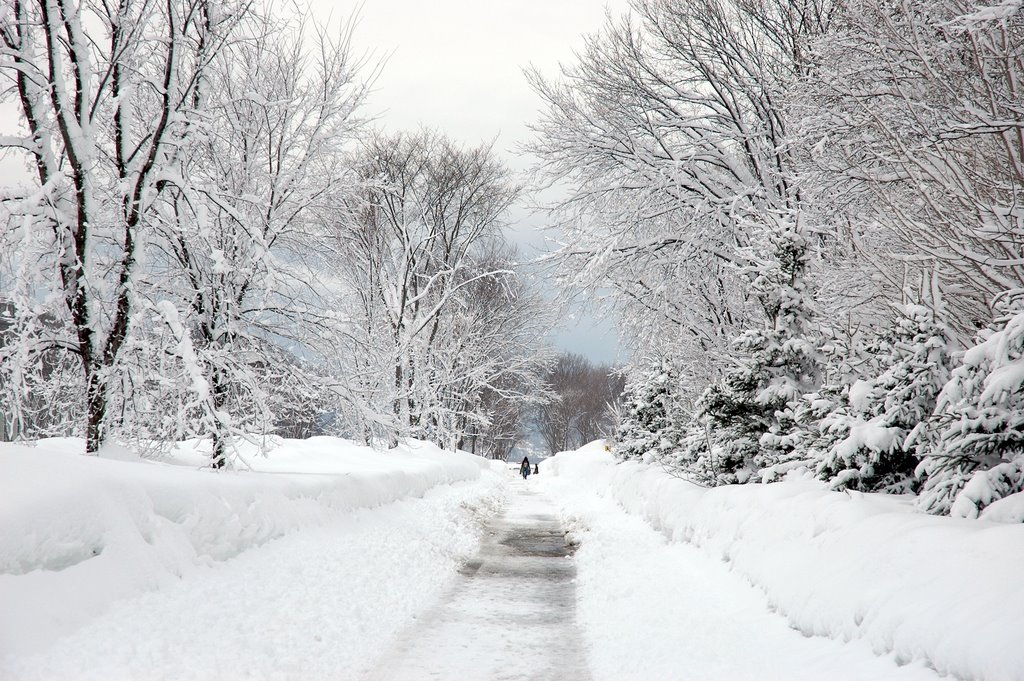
point(512, 615)
point(649, 609)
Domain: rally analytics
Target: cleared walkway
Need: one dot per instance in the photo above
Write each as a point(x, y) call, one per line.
point(512, 613)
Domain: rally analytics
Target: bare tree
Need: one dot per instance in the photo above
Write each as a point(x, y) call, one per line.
point(672, 131)
point(437, 303)
point(915, 112)
point(243, 239)
point(107, 93)
point(580, 409)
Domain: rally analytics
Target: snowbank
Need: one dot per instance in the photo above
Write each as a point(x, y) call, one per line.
point(78, 533)
point(844, 565)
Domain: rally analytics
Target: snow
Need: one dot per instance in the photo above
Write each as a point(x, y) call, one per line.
point(1004, 381)
point(127, 568)
point(654, 610)
point(998, 12)
point(328, 557)
point(865, 569)
point(1007, 510)
point(985, 487)
point(861, 393)
point(873, 434)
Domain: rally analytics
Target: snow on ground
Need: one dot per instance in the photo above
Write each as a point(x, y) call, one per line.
point(302, 568)
point(694, 600)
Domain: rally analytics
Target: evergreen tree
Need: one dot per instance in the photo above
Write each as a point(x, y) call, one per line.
point(750, 412)
point(974, 452)
point(645, 428)
point(814, 432)
point(847, 355)
point(870, 451)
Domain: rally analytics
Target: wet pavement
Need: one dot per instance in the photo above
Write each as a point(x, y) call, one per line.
point(512, 613)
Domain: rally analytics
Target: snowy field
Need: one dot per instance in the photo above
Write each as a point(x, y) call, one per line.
point(783, 581)
point(304, 567)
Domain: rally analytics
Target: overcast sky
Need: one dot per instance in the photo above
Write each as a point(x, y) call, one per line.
point(457, 66)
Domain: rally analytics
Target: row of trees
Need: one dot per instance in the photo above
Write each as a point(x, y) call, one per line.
point(581, 403)
point(810, 214)
point(447, 337)
point(213, 243)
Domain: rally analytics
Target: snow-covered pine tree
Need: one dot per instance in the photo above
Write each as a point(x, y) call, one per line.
point(646, 425)
point(812, 434)
point(846, 353)
point(974, 451)
point(733, 421)
point(870, 429)
point(750, 413)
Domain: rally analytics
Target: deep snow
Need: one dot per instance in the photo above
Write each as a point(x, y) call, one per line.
point(301, 569)
point(316, 562)
point(690, 576)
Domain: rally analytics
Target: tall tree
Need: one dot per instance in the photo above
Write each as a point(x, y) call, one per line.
point(440, 312)
point(246, 238)
point(107, 92)
point(672, 132)
point(913, 113)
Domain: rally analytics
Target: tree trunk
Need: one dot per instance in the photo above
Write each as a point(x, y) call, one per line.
point(218, 390)
point(96, 408)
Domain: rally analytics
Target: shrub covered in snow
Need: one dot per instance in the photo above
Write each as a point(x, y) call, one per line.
point(646, 426)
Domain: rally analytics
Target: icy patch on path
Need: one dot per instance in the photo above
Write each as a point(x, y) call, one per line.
point(654, 610)
point(321, 603)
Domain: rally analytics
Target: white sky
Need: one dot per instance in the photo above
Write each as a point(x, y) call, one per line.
point(457, 66)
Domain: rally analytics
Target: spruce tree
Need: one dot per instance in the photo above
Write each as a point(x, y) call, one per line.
point(846, 355)
point(750, 412)
point(974, 450)
point(645, 426)
point(871, 452)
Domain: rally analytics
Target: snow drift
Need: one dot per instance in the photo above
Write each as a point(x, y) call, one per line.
point(77, 533)
point(843, 565)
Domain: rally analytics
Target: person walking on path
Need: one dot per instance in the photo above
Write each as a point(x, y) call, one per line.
point(524, 468)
